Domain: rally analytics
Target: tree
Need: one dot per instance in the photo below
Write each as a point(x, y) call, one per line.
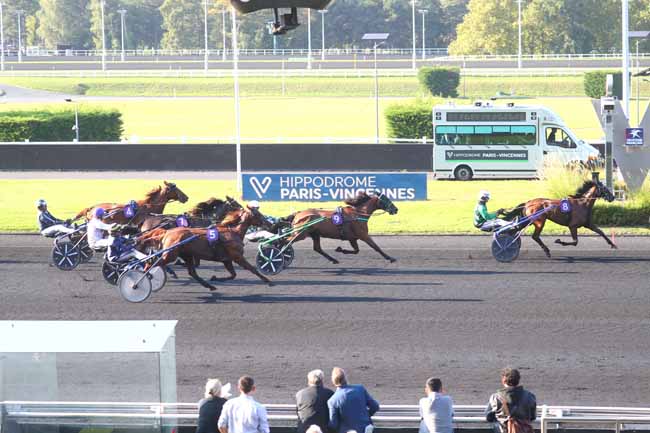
point(490, 27)
point(29, 9)
point(182, 24)
point(111, 22)
point(546, 28)
point(64, 22)
point(453, 12)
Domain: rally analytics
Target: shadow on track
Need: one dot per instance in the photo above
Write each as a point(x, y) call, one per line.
point(431, 272)
point(604, 260)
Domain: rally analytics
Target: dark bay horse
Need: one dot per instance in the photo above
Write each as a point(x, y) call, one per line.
point(227, 249)
point(203, 214)
point(154, 202)
point(580, 215)
point(353, 227)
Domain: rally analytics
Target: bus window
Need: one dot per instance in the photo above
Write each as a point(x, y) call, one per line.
point(486, 135)
point(558, 137)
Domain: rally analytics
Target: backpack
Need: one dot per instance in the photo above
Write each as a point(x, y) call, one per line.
point(514, 425)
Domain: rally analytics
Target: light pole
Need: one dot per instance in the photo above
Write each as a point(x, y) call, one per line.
point(2, 38)
point(309, 38)
point(423, 12)
point(626, 58)
point(413, 25)
point(223, 34)
point(638, 69)
point(75, 128)
point(20, 13)
point(322, 31)
point(378, 39)
point(103, 37)
point(235, 66)
point(122, 12)
point(519, 35)
point(205, 37)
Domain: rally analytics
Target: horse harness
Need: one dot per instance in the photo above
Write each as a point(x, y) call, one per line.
point(339, 220)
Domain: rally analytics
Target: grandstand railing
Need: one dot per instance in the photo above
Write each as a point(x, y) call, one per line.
point(186, 414)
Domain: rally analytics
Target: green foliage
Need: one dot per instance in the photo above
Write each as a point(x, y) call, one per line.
point(440, 81)
point(488, 28)
point(182, 22)
point(410, 120)
point(561, 181)
point(594, 83)
point(95, 124)
point(64, 22)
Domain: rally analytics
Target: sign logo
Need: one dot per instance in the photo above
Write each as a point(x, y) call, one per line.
point(260, 187)
point(634, 136)
point(486, 155)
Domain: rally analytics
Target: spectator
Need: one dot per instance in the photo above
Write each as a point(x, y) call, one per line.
point(351, 406)
point(243, 414)
point(511, 401)
point(210, 407)
point(436, 409)
point(311, 403)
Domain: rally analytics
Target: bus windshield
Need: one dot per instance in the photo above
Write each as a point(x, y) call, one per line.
point(466, 135)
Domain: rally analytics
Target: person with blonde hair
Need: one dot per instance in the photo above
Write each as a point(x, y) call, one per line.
point(210, 407)
point(351, 406)
point(311, 403)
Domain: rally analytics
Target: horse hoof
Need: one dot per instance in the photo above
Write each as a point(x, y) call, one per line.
point(392, 260)
point(339, 250)
point(614, 247)
point(558, 241)
point(335, 262)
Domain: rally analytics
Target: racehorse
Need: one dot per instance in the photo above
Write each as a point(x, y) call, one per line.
point(227, 249)
point(352, 227)
point(581, 206)
point(154, 202)
point(203, 214)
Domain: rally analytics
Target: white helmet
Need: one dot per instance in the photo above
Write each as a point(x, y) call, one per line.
point(40, 202)
point(484, 195)
point(254, 204)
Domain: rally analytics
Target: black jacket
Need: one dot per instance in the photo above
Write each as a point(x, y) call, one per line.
point(311, 405)
point(209, 413)
point(522, 405)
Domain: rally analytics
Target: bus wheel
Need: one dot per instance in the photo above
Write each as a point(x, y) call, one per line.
point(463, 172)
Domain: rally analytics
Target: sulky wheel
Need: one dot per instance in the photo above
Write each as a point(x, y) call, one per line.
point(158, 278)
point(287, 256)
point(86, 252)
point(505, 247)
point(269, 261)
point(134, 286)
point(111, 272)
point(66, 256)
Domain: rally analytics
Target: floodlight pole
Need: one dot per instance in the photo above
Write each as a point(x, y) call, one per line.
point(309, 38)
point(413, 65)
point(638, 69)
point(322, 36)
point(76, 118)
point(2, 38)
point(424, 32)
point(205, 37)
point(519, 60)
point(376, 97)
point(223, 34)
point(122, 12)
point(103, 37)
point(235, 65)
point(626, 58)
point(19, 13)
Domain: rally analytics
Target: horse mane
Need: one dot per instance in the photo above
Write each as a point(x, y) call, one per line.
point(154, 192)
point(206, 207)
point(232, 217)
point(586, 186)
point(360, 199)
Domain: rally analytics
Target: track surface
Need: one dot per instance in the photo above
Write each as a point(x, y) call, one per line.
point(577, 325)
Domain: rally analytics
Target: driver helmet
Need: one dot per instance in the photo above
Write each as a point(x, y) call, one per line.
point(99, 213)
point(40, 203)
point(254, 204)
point(484, 195)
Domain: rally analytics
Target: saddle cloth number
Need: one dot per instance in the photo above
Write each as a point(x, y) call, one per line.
point(213, 235)
point(337, 218)
point(565, 206)
point(129, 212)
point(181, 221)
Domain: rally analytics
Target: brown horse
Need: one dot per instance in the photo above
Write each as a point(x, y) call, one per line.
point(203, 214)
point(154, 202)
point(227, 249)
point(353, 227)
point(580, 215)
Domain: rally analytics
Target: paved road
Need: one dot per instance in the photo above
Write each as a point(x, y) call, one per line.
point(577, 325)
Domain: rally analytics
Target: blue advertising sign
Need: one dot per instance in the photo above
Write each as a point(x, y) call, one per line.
point(634, 136)
point(333, 186)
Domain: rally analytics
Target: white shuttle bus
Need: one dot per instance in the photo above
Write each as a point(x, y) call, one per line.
point(486, 141)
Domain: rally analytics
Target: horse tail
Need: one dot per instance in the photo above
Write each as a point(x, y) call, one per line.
point(83, 213)
point(517, 211)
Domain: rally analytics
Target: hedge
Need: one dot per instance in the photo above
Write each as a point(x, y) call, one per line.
point(94, 125)
point(410, 120)
point(594, 83)
point(440, 81)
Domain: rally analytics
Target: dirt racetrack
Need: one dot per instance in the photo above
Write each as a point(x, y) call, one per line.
point(576, 325)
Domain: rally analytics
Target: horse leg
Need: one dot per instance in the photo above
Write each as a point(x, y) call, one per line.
point(596, 229)
point(355, 248)
point(230, 268)
point(189, 260)
point(241, 261)
point(316, 238)
point(539, 226)
point(374, 246)
point(574, 235)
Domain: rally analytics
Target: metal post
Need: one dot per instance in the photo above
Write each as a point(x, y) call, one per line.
point(205, 37)
point(309, 39)
point(103, 38)
point(275, 44)
point(2, 38)
point(235, 64)
point(122, 12)
point(223, 34)
point(626, 58)
point(322, 36)
point(638, 78)
point(609, 140)
point(424, 32)
point(413, 66)
point(376, 99)
point(20, 32)
point(519, 62)
point(76, 120)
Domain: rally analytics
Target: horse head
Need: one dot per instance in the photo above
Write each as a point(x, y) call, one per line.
point(385, 203)
point(171, 192)
point(603, 192)
point(254, 217)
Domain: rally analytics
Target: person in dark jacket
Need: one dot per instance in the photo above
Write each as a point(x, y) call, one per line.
point(210, 407)
point(522, 404)
point(351, 406)
point(311, 403)
point(49, 225)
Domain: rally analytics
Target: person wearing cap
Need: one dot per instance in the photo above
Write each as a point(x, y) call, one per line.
point(484, 220)
point(253, 234)
point(121, 248)
point(48, 224)
point(97, 230)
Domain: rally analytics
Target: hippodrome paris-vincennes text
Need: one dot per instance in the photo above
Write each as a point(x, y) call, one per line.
point(337, 188)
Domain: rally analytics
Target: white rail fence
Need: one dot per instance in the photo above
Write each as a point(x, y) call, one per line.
point(405, 416)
